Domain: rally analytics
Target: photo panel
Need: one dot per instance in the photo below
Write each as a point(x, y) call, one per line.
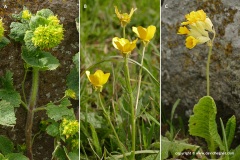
point(120, 79)
point(39, 79)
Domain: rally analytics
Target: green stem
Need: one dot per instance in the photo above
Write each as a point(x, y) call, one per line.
point(207, 70)
point(140, 79)
point(30, 114)
point(129, 90)
point(124, 32)
point(110, 122)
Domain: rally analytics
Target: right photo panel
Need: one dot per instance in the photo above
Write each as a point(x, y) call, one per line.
point(200, 79)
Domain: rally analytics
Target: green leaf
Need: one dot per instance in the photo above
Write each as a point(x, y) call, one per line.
point(60, 154)
point(73, 156)
point(53, 129)
point(4, 42)
point(92, 117)
point(40, 59)
point(203, 123)
point(7, 114)
point(230, 130)
point(16, 156)
point(18, 30)
point(57, 112)
point(76, 61)
point(95, 141)
point(7, 91)
point(73, 81)
point(36, 21)
point(236, 155)
point(174, 147)
point(152, 157)
point(6, 146)
point(28, 41)
point(45, 13)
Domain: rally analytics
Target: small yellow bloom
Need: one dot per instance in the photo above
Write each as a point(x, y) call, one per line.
point(124, 17)
point(193, 17)
point(98, 79)
point(70, 93)
point(1, 29)
point(124, 45)
point(26, 14)
point(145, 34)
point(183, 30)
point(191, 42)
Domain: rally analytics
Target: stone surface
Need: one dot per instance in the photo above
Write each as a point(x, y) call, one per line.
point(183, 70)
point(52, 83)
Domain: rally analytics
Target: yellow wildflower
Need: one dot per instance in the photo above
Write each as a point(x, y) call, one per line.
point(183, 30)
point(26, 14)
point(124, 45)
point(193, 17)
point(98, 79)
point(191, 42)
point(124, 17)
point(1, 29)
point(199, 26)
point(70, 93)
point(145, 34)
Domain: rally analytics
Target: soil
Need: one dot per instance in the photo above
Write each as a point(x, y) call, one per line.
point(52, 83)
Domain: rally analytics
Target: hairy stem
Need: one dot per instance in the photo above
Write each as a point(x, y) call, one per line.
point(30, 113)
point(129, 90)
point(207, 70)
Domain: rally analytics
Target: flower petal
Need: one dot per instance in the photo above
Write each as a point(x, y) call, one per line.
point(150, 32)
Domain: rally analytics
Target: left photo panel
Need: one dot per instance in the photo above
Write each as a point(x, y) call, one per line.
point(39, 79)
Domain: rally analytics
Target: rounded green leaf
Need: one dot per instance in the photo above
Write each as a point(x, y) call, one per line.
point(40, 59)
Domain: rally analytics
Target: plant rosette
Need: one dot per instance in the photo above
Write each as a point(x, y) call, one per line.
point(38, 33)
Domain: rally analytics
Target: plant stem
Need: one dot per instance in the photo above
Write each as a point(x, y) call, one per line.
point(140, 79)
point(30, 113)
point(124, 32)
point(110, 122)
point(207, 70)
point(129, 90)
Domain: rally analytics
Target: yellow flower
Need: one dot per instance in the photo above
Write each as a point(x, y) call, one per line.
point(199, 26)
point(26, 14)
point(193, 17)
point(145, 34)
point(1, 29)
point(124, 17)
point(98, 79)
point(70, 93)
point(183, 30)
point(191, 42)
point(124, 45)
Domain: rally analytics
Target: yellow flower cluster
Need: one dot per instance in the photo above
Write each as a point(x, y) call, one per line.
point(199, 27)
point(26, 14)
point(1, 29)
point(70, 127)
point(47, 36)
